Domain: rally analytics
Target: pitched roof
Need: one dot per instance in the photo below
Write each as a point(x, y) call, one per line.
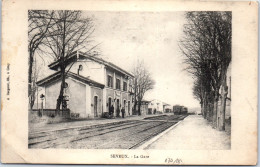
point(57, 76)
point(74, 56)
point(146, 100)
point(166, 104)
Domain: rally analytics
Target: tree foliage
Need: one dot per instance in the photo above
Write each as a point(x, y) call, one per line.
point(143, 82)
point(39, 21)
point(58, 33)
point(206, 47)
point(71, 32)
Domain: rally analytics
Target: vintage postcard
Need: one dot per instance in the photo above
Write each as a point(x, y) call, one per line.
point(129, 82)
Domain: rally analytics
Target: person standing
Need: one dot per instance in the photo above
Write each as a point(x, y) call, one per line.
point(117, 111)
point(112, 111)
point(123, 112)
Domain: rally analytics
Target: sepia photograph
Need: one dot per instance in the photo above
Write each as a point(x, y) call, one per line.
point(148, 83)
point(87, 92)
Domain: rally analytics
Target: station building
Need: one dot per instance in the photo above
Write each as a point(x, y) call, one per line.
point(92, 86)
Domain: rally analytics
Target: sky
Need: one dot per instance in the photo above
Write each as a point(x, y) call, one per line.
point(151, 37)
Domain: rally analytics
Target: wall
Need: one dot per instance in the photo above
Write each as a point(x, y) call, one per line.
point(144, 109)
point(38, 101)
point(121, 95)
point(156, 104)
point(130, 112)
point(75, 91)
point(108, 72)
point(124, 96)
point(99, 93)
point(115, 93)
point(91, 69)
point(51, 95)
point(109, 93)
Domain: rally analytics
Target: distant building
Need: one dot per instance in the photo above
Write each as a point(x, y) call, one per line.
point(158, 107)
point(92, 86)
point(144, 107)
point(155, 106)
point(167, 108)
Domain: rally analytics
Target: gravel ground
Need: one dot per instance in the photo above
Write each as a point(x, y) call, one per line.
point(194, 133)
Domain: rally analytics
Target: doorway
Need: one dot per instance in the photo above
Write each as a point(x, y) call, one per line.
point(117, 108)
point(124, 104)
point(129, 107)
point(109, 103)
point(95, 106)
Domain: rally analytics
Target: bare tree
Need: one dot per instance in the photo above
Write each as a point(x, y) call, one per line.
point(39, 21)
point(207, 50)
point(71, 32)
point(142, 83)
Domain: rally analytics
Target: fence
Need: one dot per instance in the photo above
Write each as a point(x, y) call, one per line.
point(52, 112)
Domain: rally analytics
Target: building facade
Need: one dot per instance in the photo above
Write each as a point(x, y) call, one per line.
point(155, 107)
point(93, 85)
point(144, 107)
point(167, 108)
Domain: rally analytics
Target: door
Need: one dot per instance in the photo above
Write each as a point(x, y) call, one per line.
point(117, 108)
point(124, 103)
point(109, 102)
point(129, 107)
point(117, 104)
point(95, 106)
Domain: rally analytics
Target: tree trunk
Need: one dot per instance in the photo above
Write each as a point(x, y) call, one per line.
point(30, 79)
point(204, 104)
point(62, 66)
point(222, 112)
point(207, 108)
point(202, 109)
point(210, 108)
point(135, 96)
point(60, 98)
point(215, 111)
point(134, 108)
point(139, 108)
point(32, 97)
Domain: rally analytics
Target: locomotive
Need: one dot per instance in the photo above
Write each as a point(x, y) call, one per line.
point(178, 110)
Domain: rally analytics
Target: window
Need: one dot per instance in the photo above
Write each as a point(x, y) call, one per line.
point(125, 86)
point(66, 85)
point(110, 81)
point(117, 83)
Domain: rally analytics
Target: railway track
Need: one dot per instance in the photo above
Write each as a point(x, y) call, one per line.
point(93, 140)
point(52, 138)
point(116, 135)
point(167, 117)
point(135, 139)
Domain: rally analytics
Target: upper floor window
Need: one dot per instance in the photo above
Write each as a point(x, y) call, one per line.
point(117, 83)
point(125, 86)
point(110, 81)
